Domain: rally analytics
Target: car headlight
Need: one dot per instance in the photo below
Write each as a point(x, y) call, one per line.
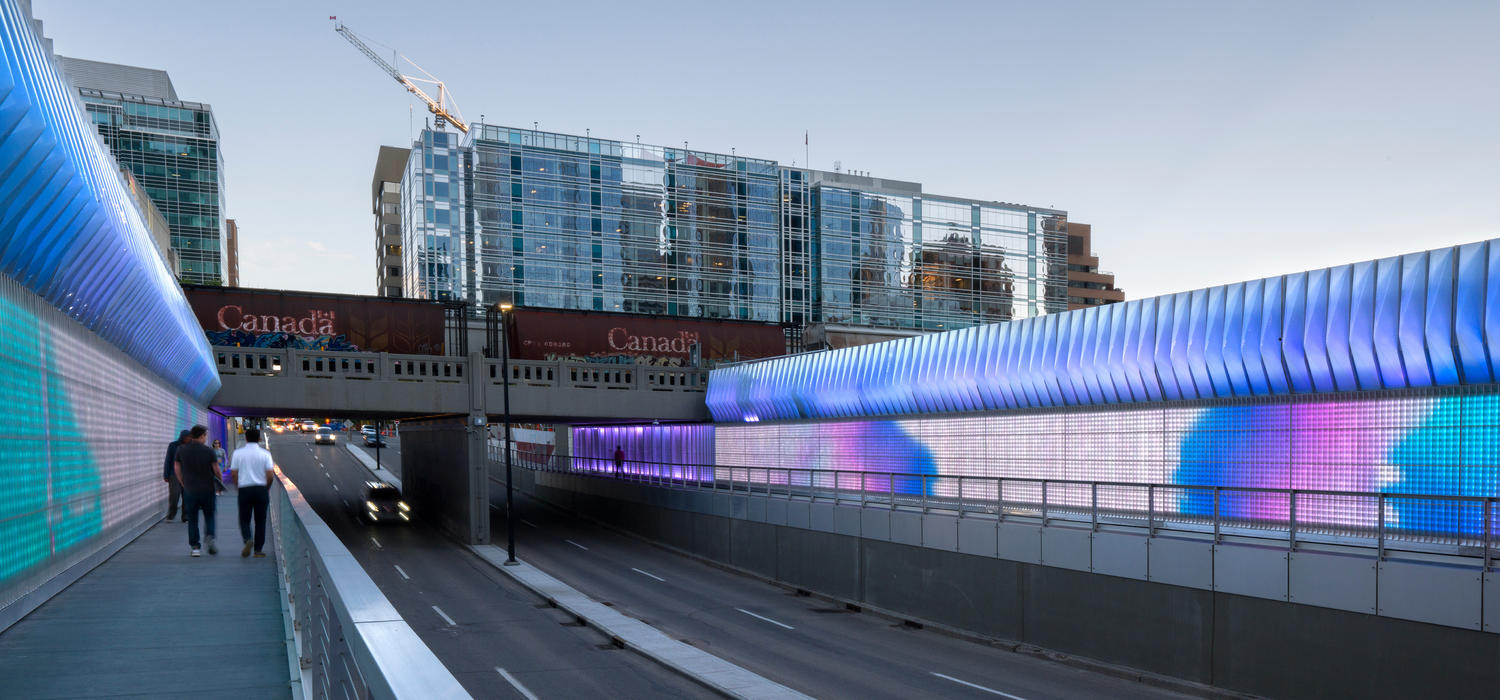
point(371, 505)
point(402, 505)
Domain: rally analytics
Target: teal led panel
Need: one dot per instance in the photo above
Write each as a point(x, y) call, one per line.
point(1418, 320)
point(69, 230)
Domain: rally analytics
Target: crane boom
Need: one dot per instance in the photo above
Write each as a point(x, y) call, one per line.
point(438, 107)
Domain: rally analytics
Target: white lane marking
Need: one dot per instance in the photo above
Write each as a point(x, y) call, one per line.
point(767, 619)
point(346, 502)
point(978, 687)
point(515, 683)
point(402, 571)
point(527, 523)
point(335, 487)
point(439, 610)
point(575, 544)
point(377, 543)
point(647, 574)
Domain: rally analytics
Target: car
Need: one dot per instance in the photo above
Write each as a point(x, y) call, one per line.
point(374, 440)
point(309, 426)
point(324, 436)
point(367, 429)
point(383, 504)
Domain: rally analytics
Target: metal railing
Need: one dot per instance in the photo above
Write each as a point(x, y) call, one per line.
point(350, 639)
point(1462, 525)
point(380, 366)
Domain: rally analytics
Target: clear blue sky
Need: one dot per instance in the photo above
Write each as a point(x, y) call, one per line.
point(1207, 142)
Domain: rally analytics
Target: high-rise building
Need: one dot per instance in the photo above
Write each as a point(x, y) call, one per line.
point(1087, 286)
point(574, 222)
point(171, 147)
point(385, 204)
point(231, 253)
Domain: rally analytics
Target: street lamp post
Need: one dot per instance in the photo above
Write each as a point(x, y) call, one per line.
point(510, 518)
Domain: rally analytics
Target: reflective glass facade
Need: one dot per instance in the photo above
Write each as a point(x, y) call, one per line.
point(922, 262)
point(432, 219)
point(556, 221)
point(172, 149)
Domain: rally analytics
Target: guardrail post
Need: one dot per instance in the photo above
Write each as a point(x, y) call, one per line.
point(1487, 509)
point(1000, 500)
point(1093, 506)
point(1380, 529)
point(1044, 503)
point(1291, 521)
point(1150, 510)
point(922, 484)
point(862, 490)
point(960, 495)
point(890, 483)
point(1216, 515)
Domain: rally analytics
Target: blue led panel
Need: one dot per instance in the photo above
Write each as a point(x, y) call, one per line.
point(1315, 331)
point(1438, 339)
point(1419, 319)
point(1293, 326)
point(1197, 338)
point(1250, 356)
point(1468, 313)
point(1270, 337)
point(1412, 326)
point(1362, 325)
point(1387, 323)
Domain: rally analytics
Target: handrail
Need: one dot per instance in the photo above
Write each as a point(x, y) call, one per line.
point(351, 640)
point(1464, 525)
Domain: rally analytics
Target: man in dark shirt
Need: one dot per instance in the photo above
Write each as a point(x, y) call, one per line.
point(169, 475)
point(197, 470)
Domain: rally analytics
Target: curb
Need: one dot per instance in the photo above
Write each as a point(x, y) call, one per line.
point(369, 462)
point(697, 665)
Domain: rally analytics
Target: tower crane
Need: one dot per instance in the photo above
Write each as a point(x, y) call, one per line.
point(438, 107)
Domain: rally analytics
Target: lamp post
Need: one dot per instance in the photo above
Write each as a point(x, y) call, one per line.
point(510, 517)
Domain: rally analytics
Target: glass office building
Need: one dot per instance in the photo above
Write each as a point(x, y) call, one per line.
point(172, 148)
point(883, 254)
point(572, 222)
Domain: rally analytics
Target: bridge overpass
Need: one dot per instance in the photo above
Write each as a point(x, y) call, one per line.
point(291, 382)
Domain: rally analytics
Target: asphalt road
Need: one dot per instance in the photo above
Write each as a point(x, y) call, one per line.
point(483, 626)
point(809, 644)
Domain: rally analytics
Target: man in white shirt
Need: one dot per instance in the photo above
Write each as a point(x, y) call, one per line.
point(251, 467)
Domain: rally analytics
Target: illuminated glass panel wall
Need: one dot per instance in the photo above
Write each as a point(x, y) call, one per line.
point(101, 361)
point(678, 451)
point(1430, 445)
point(1418, 320)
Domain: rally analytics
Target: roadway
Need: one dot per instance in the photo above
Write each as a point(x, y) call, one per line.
point(809, 644)
point(495, 636)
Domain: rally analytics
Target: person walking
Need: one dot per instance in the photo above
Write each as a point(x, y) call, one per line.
point(197, 469)
point(251, 469)
point(619, 459)
point(223, 458)
point(169, 475)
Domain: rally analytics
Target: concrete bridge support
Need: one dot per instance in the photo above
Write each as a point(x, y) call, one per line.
point(444, 474)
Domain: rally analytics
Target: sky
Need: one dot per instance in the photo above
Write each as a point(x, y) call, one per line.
point(1206, 142)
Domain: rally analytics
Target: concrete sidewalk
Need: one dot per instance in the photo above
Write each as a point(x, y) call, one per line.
point(153, 622)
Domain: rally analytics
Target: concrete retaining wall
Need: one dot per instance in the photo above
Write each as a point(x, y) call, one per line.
point(1268, 647)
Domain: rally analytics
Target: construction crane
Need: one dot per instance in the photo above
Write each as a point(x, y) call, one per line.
point(438, 107)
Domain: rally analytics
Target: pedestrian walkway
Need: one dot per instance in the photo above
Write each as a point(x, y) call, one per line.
point(153, 622)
